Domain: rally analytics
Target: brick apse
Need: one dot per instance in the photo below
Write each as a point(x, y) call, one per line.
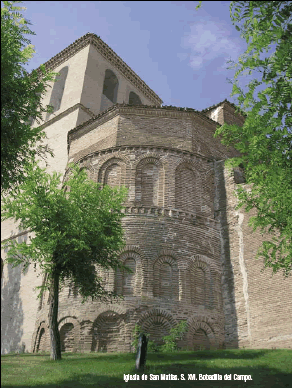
point(191, 252)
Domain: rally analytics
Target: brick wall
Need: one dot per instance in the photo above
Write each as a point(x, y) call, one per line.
point(257, 304)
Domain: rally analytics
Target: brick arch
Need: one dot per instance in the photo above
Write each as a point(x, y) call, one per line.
point(211, 330)
point(104, 171)
point(108, 331)
point(207, 260)
point(170, 290)
point(118, 309)
point(68, 319)
point(122, 277)
point(187, 187)
point(167, 252)
point(194, 164)
point(132, 248)
point(148, 157)
point(41, 337)
point(149, 182)
point(157, 323)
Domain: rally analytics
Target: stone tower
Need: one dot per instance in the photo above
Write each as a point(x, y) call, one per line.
point(191, 252)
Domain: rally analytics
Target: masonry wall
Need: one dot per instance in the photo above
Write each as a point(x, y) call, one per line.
point(257, 304)
point(19, 306)
point(134, 126)
point(174, 253)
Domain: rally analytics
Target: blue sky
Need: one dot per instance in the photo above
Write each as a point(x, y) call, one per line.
point(180, 52)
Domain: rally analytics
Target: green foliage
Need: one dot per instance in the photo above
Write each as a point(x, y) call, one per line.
point(199, 5)
point(21, 95)
point(75, 229)
point(176, 333)
point(265, 140)
point(170, 341)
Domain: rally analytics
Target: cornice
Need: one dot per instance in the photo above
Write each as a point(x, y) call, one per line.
point(154, 211)
point(65, 113)
point(109, 55)
point(153, 148)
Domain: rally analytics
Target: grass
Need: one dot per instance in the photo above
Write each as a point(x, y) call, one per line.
point(268, 368)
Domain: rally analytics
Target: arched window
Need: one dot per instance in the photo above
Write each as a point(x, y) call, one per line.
point(201, 340)
point(166, 284)
point(58, 90)
point(166, 281)
point(149, 185)
point(112, 176)
point(41, 346)
point(185, 189)
point(129, 278)
point(67, 337)
point(107, 331)
point(110, 86)
point(134, 99)
point(198, 286)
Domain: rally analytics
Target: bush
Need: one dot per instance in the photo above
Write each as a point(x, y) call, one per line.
point(170, 341)
point(176, 333)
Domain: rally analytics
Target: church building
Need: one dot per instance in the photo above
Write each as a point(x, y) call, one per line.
point(191, 252)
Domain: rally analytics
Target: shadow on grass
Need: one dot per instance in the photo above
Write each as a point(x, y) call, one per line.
point(261, 377)
point(180, 364)
point(158, 356)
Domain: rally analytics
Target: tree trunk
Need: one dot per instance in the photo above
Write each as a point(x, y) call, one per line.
point(53, 316)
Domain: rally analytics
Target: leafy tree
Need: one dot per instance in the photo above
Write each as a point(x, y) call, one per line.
point(76, 229)
point(21, 95)
point(265, 140)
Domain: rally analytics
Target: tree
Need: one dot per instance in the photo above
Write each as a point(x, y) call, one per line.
point(21, 95)
point(265, 140)
point(76, 228)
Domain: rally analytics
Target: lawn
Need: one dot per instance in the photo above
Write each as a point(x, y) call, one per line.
point(267, 368)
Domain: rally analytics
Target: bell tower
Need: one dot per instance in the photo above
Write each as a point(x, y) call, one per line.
point(91, 78)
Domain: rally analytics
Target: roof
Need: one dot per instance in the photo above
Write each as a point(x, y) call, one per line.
point(222, 102)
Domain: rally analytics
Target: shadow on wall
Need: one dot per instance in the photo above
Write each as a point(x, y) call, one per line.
point(11, 310)
point(228, 284)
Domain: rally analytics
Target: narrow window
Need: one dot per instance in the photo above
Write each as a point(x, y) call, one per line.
point(201, 340)
point(149, 185)
point(110, 86)
point(58, 90)
point(67, 337)
point(113, 175)
point(199, 287)
point(185, 190)
point(129, 278)
point(134, 99)
point(166, 287)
